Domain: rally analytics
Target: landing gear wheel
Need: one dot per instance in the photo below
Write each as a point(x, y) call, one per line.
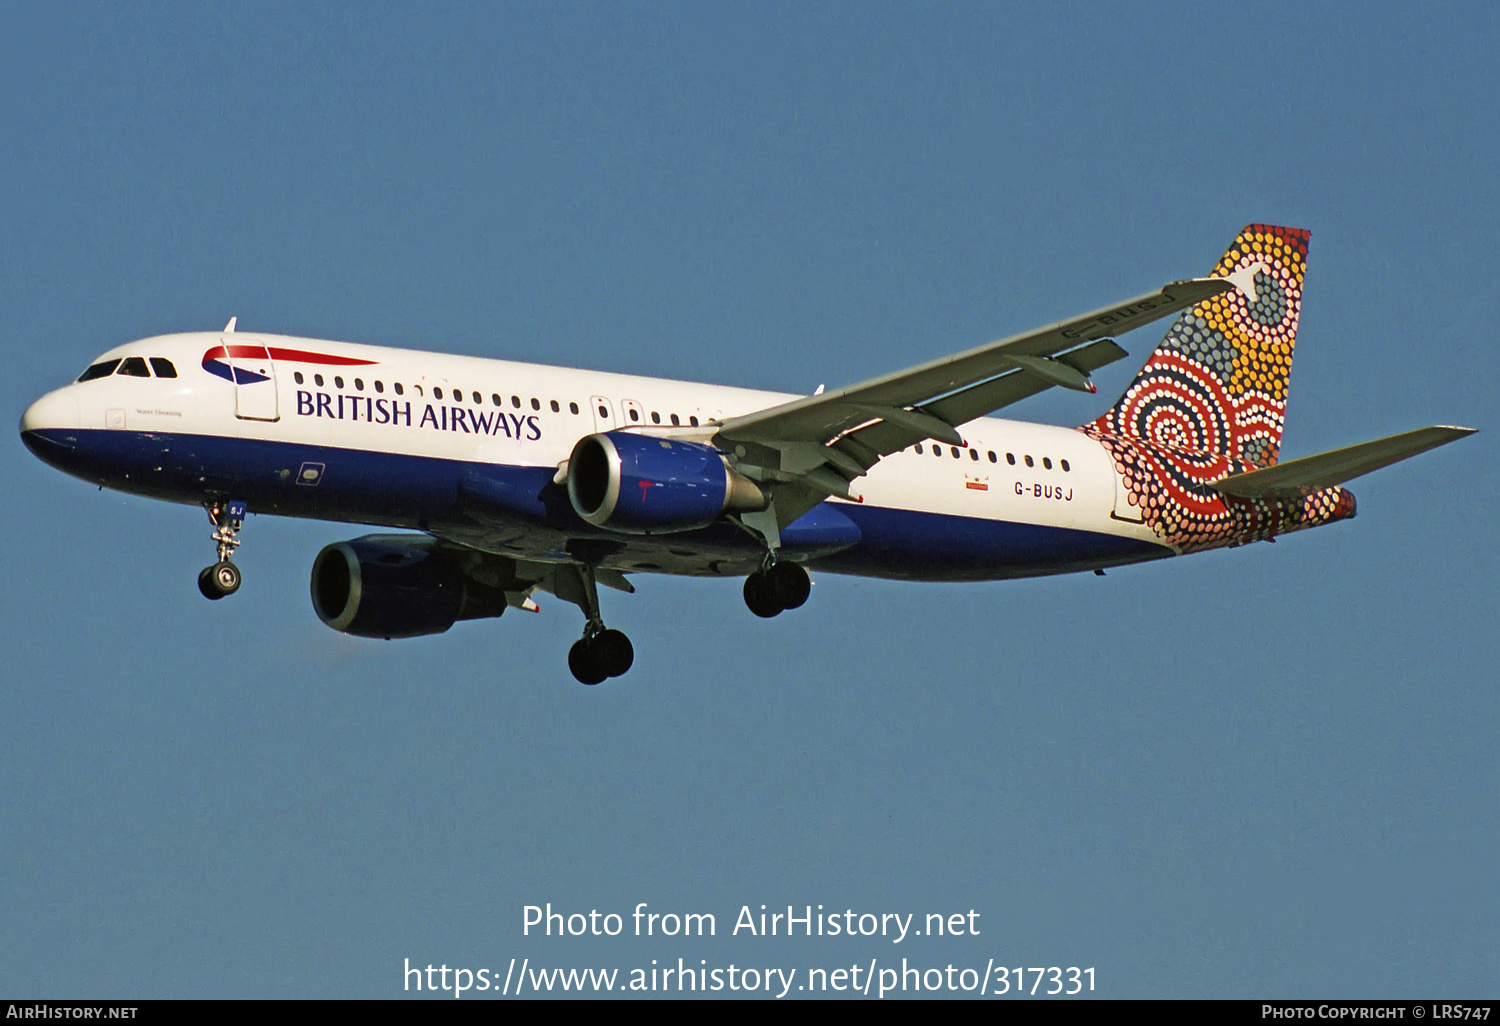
point(219, 580)
point(759, 596)
point(789, 583)
point(585, 662)
point(615, 652)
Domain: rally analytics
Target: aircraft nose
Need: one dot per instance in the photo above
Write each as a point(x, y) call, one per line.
point(52, 411)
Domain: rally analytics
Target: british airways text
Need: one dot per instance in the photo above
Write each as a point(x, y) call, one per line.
point(399, 412)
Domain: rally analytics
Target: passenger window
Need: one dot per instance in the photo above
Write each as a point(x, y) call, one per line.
point(1010, 458)
point(603, 411)
point(396, 386)
point(1046, 463)
point(338, 382)
point(379, 386)
point(297, 375)
point(478, 399)
point(993, 459)
point(536, 404)
point(102, 369)
point(675, 421)
point(1065, 466)
point(437, 393)
point(359, 384)
point(163, 367)
point(919, 448)
point(515, 401)
point(954, 450)
point(556, 408)
point(974, 454)
point(318, 380)
point(693, 421)
point(937, 450)
point(1029, 463)
point(573, 409)
point(635, 414)
point(655, 417)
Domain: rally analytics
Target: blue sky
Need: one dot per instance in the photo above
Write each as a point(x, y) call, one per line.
point(1269, 771)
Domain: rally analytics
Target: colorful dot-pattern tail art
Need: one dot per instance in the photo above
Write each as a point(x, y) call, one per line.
point(1211, 402)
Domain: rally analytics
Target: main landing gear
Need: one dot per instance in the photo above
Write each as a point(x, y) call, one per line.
point(602, 652)
point(223, 578)
point(599, 655)
point(776, 587)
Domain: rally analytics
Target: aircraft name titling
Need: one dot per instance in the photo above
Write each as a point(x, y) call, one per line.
point(399, 412)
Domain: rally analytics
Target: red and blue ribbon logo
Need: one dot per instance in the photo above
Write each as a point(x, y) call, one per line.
point(228, 362)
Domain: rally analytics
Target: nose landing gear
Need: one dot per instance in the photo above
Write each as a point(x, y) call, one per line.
point(223, 578)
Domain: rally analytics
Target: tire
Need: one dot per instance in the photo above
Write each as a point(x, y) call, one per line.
point(206, 585)
point(584, 661)
point(759, 597)
point(616, 653)
point(790, 584)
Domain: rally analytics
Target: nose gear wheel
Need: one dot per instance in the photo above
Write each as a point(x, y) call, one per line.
point(223, 578)
point(219, 581)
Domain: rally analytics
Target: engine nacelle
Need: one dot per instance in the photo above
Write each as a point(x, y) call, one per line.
point(378, 588)
point(645, 485)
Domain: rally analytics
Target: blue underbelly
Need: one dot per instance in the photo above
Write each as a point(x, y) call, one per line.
point(428, 493)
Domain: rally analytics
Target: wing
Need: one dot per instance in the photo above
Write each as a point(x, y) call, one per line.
point(1313, 473)
point(813, 447)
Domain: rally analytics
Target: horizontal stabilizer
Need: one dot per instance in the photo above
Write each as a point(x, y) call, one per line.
point(1313, 473)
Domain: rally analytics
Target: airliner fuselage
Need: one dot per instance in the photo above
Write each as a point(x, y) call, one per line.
point(468, 449)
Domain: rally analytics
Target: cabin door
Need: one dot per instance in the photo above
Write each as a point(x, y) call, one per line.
point(1123, 509)
point(254, 379)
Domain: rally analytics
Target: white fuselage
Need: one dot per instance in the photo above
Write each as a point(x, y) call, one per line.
point(357, 400)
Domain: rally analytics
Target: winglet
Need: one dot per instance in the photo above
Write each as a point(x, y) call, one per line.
point(229, 328)
point(1244, 280)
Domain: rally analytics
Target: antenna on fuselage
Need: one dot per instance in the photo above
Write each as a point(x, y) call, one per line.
point(229, 328)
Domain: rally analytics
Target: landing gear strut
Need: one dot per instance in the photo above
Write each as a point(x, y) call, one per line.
point(602, 652)
point(776, 587)
point(223, 578)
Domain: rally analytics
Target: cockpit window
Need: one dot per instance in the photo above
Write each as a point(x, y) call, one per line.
point(163, 367)
point(102, 369)
point(134, 367)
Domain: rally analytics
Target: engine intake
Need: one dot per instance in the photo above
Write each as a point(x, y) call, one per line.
point(646, 485)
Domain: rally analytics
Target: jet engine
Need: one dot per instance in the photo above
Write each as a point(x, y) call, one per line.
point(395, 587)
point(641, 484)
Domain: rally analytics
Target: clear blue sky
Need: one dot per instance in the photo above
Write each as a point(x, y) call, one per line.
point(1269, 771)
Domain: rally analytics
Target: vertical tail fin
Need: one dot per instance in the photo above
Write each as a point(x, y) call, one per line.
point(1217, 384)
point(1211, 402)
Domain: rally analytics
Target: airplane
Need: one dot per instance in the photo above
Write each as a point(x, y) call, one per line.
point(512, 478)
